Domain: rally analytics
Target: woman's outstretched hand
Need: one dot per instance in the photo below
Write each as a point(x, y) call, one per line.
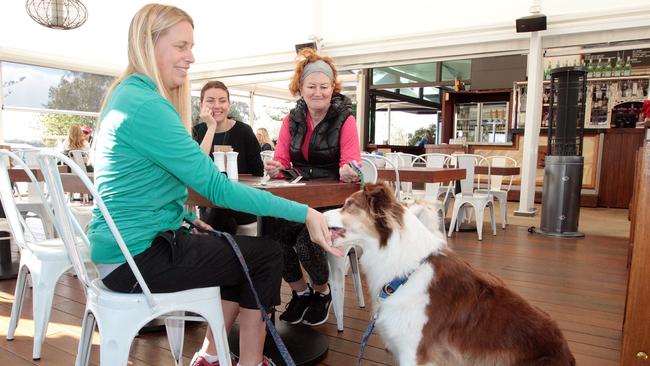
point(347, 174)
point(319, 232)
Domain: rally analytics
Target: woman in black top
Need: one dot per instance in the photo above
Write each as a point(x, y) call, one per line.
point(217, 129)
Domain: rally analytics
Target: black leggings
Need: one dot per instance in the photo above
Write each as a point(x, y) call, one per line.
point(178, 261)
point(297, 248)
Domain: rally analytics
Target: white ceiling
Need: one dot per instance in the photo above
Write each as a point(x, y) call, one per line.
point(247, 37)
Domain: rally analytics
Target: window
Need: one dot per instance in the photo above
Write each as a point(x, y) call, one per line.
point(459, 69)
point(41, 103)
point(402, 127)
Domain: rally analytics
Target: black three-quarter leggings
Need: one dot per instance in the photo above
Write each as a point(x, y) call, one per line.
point(178, 261)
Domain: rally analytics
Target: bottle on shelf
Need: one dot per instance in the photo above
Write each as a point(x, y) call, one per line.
point(598, 70)
point(627, 68)
point(618, 67)
point(547, 71)
point(608, 68)
point(591, 69)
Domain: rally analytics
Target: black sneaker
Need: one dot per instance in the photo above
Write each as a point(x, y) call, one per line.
point(297, 307)
point(319, 309)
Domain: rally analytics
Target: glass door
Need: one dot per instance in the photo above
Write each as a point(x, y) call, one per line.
point(466, 122)
point(494, 120)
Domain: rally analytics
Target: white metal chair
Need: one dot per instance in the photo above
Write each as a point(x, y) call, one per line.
point(432, 191)
point(44, 260)
point(80, 157)
point(387, 162)
point(497, 184)
point(119, 316)
point(403, 160)
point(29, 199)
point(467, 197)
point(352, 251)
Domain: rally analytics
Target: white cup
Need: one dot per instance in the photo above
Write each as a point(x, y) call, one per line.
point(220, 160)
point(231, 165)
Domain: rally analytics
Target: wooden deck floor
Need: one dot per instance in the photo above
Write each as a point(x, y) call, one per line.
point(580, 282)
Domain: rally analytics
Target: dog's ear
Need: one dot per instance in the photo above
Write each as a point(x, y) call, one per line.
point(384, 208)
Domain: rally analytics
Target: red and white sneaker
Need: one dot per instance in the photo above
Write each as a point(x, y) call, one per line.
point(198, 360)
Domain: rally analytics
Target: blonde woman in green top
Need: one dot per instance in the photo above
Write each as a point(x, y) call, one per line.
point(145, 159)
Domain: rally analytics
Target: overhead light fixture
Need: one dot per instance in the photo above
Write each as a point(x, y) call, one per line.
point(312, 45)
point(57, 14)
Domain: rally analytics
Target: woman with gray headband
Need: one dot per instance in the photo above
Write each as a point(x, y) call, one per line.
point(318, 139)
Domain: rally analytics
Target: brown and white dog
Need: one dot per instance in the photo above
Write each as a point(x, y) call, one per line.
point(446, 313)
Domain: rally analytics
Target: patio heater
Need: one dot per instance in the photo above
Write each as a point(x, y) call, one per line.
point(564, 162)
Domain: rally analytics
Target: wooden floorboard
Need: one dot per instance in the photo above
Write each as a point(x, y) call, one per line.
point(581, 283)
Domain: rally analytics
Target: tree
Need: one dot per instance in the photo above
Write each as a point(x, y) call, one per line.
point(419, 134)
point(10, 83)
point(238, 111)
point(76, 91)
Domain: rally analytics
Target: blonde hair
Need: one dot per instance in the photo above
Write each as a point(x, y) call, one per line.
point(147, 25)
point(76, 138)
point(264, 138)
point(305, 56)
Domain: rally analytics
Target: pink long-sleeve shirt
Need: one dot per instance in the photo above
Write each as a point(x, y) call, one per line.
point(349, 142)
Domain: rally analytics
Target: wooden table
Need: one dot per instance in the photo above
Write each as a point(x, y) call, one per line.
point(422, 174)
point(318, 193)
point(498, 170)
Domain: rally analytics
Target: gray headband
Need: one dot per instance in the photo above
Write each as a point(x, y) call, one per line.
point(317, 66)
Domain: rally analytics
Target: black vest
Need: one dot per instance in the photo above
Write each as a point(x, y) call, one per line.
point(324, 150)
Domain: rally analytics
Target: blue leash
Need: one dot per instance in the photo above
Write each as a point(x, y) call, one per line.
point(284, 352)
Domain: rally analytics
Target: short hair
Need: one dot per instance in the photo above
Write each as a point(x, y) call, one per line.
point(214, 84)
point(147, 25)
point(305, 56)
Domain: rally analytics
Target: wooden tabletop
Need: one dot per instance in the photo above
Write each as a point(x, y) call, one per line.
point(422, 174)
point(318, 193)
point(313, 193)
point(498, 170)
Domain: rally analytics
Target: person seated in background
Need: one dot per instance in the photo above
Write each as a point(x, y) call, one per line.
point(76, 141)
point(88, 134)
point(426, 139)
point(266, 144)
point(217, 129)
point(319, 138)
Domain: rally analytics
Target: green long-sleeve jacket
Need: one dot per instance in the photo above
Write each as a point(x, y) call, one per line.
point(144, 160)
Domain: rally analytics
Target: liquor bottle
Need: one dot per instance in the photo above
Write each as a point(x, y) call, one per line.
point(627, 69)
point(608, 68)
point(590, 69)
point(598, 70)
point(547, 71)
point(618, 68)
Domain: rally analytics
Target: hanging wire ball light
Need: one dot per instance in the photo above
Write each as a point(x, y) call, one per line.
point(57, 14)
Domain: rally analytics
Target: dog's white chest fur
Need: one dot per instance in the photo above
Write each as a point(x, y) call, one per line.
point(402, 316)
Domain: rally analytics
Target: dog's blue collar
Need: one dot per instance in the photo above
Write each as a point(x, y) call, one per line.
point(392, 286)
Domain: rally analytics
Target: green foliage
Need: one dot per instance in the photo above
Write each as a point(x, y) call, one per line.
point(77, 91)
point(59, 124)
point(238, 111)
point(419, 134)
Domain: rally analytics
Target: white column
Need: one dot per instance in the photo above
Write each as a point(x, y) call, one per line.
point(361, 102)
point(2, 103)
point(251, 109)
point(531, 130)
point(388, 113)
